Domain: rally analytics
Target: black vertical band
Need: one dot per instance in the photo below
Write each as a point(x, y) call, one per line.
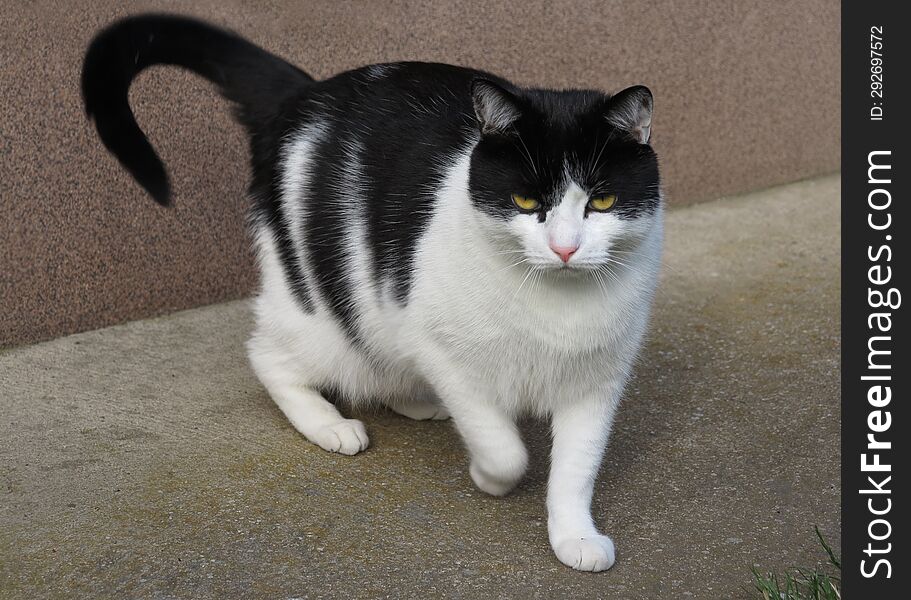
point(876, 60)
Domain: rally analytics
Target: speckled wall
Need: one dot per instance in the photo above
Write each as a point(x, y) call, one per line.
point(747, 96)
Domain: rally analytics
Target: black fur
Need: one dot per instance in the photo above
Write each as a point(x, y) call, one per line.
point(556, 133)
point(408, 121)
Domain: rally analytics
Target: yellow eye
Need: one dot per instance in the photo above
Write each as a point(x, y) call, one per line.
point(524, 203)
point(602, 203)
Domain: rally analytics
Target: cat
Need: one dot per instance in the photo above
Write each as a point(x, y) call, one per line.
point(431, 237)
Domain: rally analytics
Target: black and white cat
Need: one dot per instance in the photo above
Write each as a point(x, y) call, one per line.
point(434, 238)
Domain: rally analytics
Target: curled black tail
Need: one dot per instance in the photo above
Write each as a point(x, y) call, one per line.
point(254, 80)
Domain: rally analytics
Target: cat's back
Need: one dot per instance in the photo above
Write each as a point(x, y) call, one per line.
point(404, 92)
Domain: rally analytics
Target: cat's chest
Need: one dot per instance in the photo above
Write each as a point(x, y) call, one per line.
point(529, 355)
point(534, 343)
point(492, 313)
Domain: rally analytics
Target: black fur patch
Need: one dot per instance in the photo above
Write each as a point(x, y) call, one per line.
point(562, 135)
point(325, 227)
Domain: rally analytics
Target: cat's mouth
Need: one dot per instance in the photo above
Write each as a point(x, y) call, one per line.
point(603, 270)
point(570, 269)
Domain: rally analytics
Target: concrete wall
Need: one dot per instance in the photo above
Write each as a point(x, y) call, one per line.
point(747, 96)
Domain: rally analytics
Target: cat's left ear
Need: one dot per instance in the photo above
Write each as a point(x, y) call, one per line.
point(631, 110)
point(496, 108)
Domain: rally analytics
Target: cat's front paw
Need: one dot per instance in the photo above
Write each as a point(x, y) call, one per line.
point(348, 436)
point(496, 483)
point(586, 553)
point(421, 410)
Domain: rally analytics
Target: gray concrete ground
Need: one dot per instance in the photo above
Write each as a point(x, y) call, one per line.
point(145, 460)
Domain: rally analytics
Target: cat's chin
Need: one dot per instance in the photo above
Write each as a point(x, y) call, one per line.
point(579, 278)
point(568, 270)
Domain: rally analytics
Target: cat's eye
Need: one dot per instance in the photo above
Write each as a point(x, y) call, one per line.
point(602, 203)
point(525, 203)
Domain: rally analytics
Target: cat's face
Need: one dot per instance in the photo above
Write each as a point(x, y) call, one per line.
point(565, 180)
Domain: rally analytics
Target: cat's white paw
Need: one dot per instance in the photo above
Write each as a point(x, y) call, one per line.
point(589, 553)
point(498, 484)
point(348, 436)
point(421, 411)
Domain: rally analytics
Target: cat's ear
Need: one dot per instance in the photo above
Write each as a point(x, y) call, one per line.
point(496, 108)
point(631, 110)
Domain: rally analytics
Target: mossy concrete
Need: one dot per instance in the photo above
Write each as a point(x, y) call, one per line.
point(146, 461)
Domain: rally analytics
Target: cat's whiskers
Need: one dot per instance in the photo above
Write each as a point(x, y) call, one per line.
point(630, 266)
point(611, 259)
point(609, 272)
point(531, 163)
point(528, 272)
point(536, 278)
point(602, 285)
point(591, 156)
point(598, 159)
point(515, 264)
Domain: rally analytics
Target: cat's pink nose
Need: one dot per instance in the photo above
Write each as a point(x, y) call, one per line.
point(564, 252)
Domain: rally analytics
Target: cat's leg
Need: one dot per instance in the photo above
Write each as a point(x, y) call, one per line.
point(580, 432)
point(498, 455)
point(319, 421)
point(420, 410)
point(419, 403)
point(309, 412)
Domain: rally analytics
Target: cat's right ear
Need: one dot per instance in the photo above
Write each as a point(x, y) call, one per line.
point(631, 110)
point(496, 108)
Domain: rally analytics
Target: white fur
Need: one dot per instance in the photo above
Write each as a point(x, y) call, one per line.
point(496, 325)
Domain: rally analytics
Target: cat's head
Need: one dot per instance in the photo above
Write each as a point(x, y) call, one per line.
point(565, 180)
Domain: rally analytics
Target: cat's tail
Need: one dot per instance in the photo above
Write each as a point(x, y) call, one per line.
point(256, 82)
